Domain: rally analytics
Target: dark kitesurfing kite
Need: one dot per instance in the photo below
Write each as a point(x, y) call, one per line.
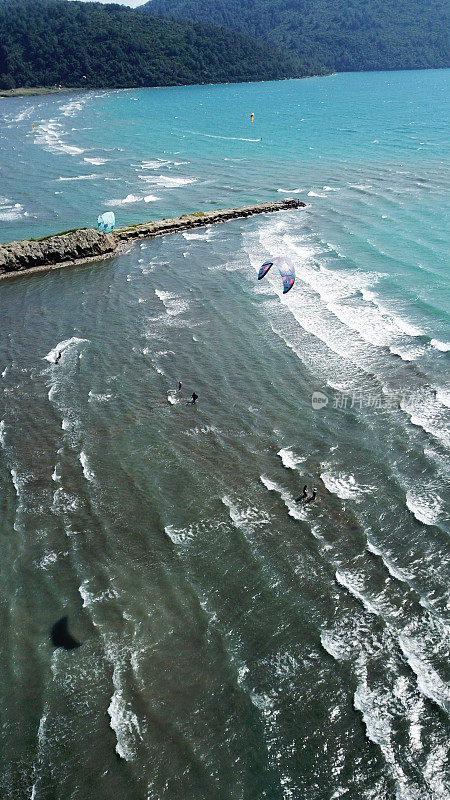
point(285, 268)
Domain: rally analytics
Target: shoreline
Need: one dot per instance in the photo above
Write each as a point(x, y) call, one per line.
point(83, 245)
point(31, 91)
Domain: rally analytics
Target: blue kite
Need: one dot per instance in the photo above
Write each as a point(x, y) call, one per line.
point(285, 269)
point(106, 222)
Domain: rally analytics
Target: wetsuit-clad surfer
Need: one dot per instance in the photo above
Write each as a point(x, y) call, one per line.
point(304, 495)
point(193, 399)
point(179, 386)
point(58, 357)
point(311, 497)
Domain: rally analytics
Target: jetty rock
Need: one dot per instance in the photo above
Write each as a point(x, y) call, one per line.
point(86, 244)
point(59, 249)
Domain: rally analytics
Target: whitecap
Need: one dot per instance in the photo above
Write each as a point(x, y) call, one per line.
point(344, 486)
point(61, 346)
point(296, 511)
point(167, 181)
point(173, 304)
point(97, 162)
point(228, 138)
point(87, 472)
point(130, 198)
point(314, 194)
point(123, 722)
point(289, 459)
point(245, 517)
point(444, 347)
point(426, 505)
point(201, 237)
point(429, 682)
point(90, 177)
point(179, 535)
point(10, 211)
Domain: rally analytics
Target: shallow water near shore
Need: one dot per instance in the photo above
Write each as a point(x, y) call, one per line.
point(234, 643)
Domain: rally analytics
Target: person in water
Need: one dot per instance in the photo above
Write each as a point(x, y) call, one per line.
point(193, 400)
point(311, 497)
point(179, 386)
point(58, 357)
point(304, 495)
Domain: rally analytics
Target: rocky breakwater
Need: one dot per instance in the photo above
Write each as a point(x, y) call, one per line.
point(84, 245)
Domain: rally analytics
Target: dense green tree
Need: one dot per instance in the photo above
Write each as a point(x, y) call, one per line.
point(46, 42)
point(333, 35)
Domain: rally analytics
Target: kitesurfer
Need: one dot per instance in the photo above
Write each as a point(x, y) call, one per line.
point(304, 495)
point(311, 497)
point(193, 400)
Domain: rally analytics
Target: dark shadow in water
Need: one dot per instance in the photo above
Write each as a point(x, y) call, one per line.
point(61, 637)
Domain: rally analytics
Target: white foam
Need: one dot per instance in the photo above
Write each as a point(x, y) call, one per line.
point(444, 347)
point(61, 346)
point(371, 705)
point(347, 582)
point(173, 304)
point(10, 211)
point(425, 505)
point(443, 396)
point(200, 430)
point(335, 646)
point(159, 163)
point(289, 459)
point(17, 481)
point(247, 518)
point(2, 432)
point(167, 181)
point(179, 535)
point(47, 560)
point(331, 189)
point(290, 191)
point(406, 353)
point(429, 682)
point(25, 114)
point(296, 511)
point(97, 162)
point(201, 237)
point(87, 472)
point(90, 177)
point(71, 109)
point(344, 486)
point(49, 136)
point(314, 194)
point(228, 138)
point(123, 721)
point(98, 398)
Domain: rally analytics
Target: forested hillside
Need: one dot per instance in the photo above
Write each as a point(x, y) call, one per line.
point(333, 35)
point(43, 42)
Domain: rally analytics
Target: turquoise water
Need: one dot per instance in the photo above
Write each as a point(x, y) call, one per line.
point(234, 643)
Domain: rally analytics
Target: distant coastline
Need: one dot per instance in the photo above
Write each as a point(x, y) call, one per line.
point(28, 91)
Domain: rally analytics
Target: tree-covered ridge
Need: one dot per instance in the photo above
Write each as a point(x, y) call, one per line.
point(333, 35)
point(46, 42)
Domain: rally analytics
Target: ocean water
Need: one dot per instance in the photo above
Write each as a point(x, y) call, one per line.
point(235, 645)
